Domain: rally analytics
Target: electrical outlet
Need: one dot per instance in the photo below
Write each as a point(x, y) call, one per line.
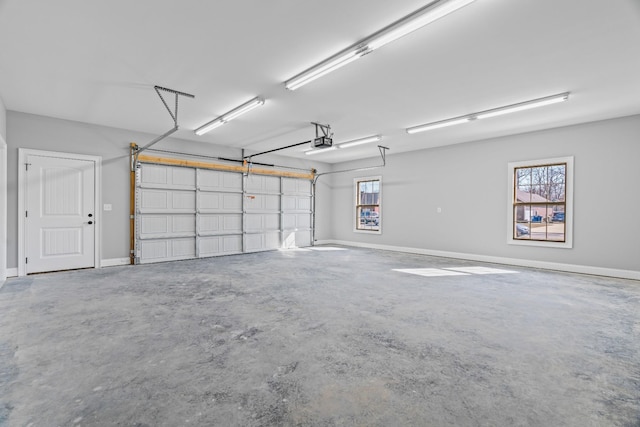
point(439, 209)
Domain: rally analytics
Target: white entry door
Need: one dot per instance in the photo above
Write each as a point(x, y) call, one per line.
point(60, 222)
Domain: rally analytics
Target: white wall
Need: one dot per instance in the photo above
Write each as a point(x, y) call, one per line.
point(469, 182)
point(3, 120)
point(3, 192)
point(45, 133)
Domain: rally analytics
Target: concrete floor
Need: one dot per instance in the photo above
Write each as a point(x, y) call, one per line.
point(318, 338)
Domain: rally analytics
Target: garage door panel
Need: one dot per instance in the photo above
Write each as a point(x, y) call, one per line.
point(262, 242)
point(296, 239)
point(217, 224)
point(263, 202)
point(168, 177)
point(262, 184)
point(153, 226)
point(169, 201)
point(262, 222)
point(296, 186)
point(293, 221)
point(211, 180)
point(220, 245)
point(166, 250)
point(219, 202)
point(296, 203)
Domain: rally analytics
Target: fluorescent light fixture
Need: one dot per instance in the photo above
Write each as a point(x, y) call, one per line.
point(521, 106)
point(360, 141)
point(540, 102)
point(437, 125)
point(415, 21)
point(418, 19)
point(323, 68)
point(227, 117)
point(320, 150)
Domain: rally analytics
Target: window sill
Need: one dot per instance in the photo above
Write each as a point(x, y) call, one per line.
point(537, 243)
point(368, 231)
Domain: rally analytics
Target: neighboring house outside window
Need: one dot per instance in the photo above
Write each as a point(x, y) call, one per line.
point(367, 205)
point(540, 207)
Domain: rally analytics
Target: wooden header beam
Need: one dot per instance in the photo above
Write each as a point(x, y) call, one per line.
point(228, 168)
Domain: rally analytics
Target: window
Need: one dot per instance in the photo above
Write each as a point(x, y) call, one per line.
point(367, 210)
point(540, 202)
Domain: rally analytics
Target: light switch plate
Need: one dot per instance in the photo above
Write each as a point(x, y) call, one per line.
point(108, 207)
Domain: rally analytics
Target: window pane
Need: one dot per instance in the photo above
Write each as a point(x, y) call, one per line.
point(523, 194)
point(523, 176)
point(538, 231)
point(539, 193)
point(539, 175)
point(521, 231)
point(368, 218)
point(557, 183)
point(556, 226)
point(368, 191)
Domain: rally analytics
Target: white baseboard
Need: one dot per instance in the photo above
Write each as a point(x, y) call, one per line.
point(13, 272)
point(112, 262)
point(570, 268)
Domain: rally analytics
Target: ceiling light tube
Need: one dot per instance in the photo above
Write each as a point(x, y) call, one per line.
point(324, 68)
point(437, 125)
point(227, 117)
point(400, 28)
point(320, 150)
point(540, 102)
point(209, 126)
point(534, 103)
point(414, 21)
point(360, 141)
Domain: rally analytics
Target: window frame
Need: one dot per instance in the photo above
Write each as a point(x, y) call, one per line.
point(511, 202)
point(356, 204)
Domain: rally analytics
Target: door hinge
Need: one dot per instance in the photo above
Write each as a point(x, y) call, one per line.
point(26, 260)
point(26, 166)
point(26, 214)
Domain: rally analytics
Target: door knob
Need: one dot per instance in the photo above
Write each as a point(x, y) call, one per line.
point(90, 215)
point(90, 222)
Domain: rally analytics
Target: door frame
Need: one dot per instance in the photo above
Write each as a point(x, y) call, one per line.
point(22, 189)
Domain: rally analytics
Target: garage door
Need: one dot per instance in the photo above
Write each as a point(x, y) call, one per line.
point(186, 212)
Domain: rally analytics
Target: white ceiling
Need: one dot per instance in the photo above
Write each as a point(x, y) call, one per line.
point(97, 62)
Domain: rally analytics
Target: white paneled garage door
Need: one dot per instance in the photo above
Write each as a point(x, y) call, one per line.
point(186, 212)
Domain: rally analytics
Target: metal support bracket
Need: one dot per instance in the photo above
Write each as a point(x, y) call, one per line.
point(324, 129)
point(174, 116)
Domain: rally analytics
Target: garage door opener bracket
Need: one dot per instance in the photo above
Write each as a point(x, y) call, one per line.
point(174, 116)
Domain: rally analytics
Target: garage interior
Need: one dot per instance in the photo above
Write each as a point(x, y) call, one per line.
point(346, 213)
